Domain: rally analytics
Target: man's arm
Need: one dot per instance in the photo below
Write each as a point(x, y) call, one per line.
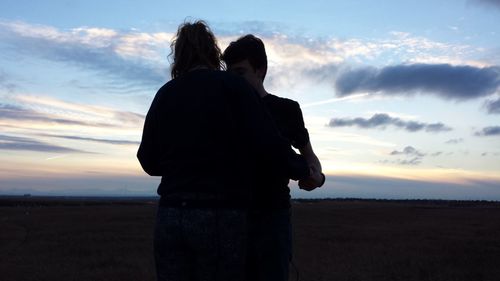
point(263, 135)
point(317, 178)
point(301, 141)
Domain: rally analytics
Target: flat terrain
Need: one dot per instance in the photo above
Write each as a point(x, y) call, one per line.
point(111, 239)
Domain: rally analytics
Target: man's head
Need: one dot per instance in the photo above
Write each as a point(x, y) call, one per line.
point(247, 58)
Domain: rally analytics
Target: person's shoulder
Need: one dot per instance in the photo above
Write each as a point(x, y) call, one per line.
point(230, 77)
point(281, 101)
point(218, 77)
point(201, 77)
point(166, 86)
point(164, 91)
point(236, 83)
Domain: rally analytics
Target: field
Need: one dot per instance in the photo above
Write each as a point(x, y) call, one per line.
point(111, 239)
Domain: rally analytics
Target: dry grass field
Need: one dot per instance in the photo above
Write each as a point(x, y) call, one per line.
point(56, 239)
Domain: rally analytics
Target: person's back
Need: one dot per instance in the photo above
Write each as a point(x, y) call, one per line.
point(200, 145)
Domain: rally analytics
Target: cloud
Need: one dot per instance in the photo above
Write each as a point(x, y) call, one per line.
point(487, 3)
point(6, 83)
point(17, 113)
point(139, 59)
point(489, 131)
point(493, 107)
point(28, 144)
point(107, 141)
point(127, 117)
point(381, 120)
point(411, 162)
point(409, 150)
point(454, 141)
point(284, 45)
point(131, 57)
point(293, 59)
point(404, 162)
point(413, 156)
point(46, 110)
point(443, 80)
point(491, 154)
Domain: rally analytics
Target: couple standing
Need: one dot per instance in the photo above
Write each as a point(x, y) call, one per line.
point(222, 146)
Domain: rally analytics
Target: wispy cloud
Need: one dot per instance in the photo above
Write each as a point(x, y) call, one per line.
point(333, 100)
point(382, 120)
point(29, 144)
point(443, 80)
point(413, 156)
point(107, 141)
point(46, 110)
point(6, 82)
point(454, 141)
point(489, 131)
point(131, 57)
point(17, 113)
point(412, 162)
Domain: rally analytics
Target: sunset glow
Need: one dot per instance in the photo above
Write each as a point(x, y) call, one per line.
point(392, 95)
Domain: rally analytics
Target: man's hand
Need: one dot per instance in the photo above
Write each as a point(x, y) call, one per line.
point(315, 180)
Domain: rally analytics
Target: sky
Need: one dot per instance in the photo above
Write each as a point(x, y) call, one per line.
point(401, 98)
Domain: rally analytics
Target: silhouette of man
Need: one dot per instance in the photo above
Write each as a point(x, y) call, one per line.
point(270, 246)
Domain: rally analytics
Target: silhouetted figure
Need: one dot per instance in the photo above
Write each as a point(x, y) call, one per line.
point(204, 134)
point(270, 246)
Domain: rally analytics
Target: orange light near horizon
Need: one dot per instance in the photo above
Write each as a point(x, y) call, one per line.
point(38, 164)
point(453, 176)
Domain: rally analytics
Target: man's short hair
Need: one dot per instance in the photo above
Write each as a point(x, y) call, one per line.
point(247, 47)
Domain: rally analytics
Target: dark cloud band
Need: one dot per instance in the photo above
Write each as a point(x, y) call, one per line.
point(28, 144)
point(489, 131)
point(493, 107)
point(382, 120)
point(444, 80)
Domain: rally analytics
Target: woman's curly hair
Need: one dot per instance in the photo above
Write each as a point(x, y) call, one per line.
point(194, 45)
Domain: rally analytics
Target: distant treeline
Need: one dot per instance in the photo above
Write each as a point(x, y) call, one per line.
point(45, 201)
point(34, 201)
point(433, 202)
